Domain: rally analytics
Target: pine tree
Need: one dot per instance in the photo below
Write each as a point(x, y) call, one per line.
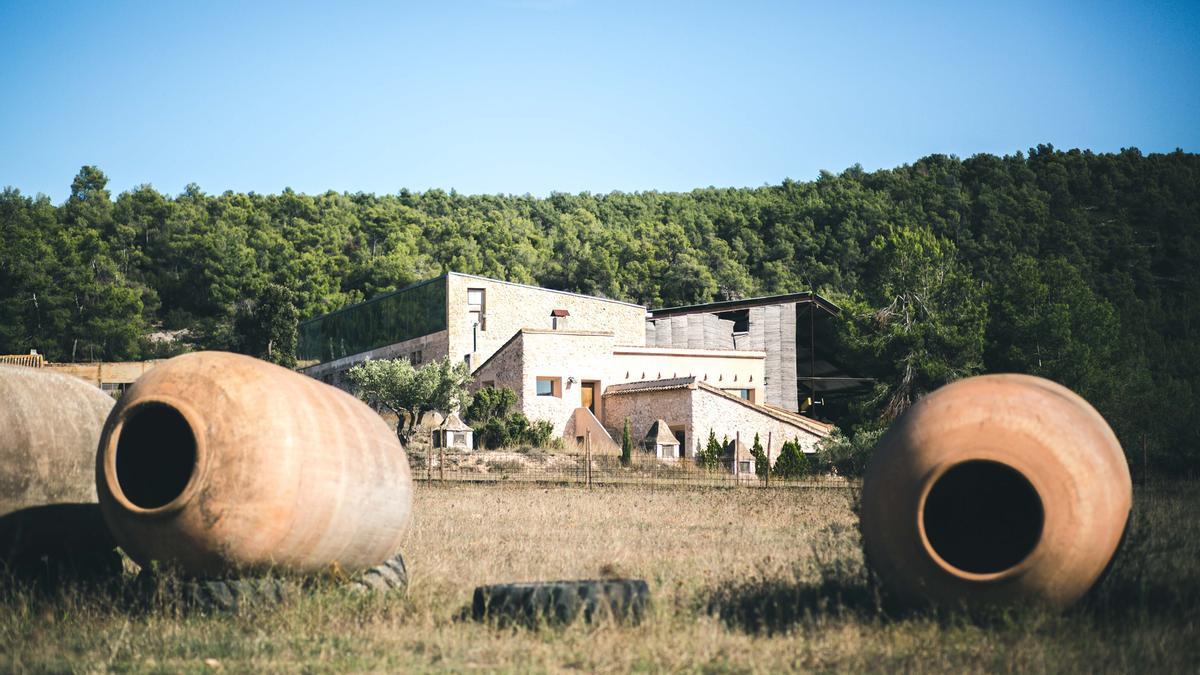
point(761, 463)
point(710, 457)
point(792, 462)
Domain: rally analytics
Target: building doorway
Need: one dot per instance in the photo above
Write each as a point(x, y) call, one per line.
point(588, 397)
point(680, 436)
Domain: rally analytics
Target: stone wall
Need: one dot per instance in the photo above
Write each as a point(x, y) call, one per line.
point(572, 358)
point(728, 417)
point(509, 307)
point(721, 369)
point(505, 369)
point(701, 410)
point(642, 409)
point(583, 357)
point(111, 376)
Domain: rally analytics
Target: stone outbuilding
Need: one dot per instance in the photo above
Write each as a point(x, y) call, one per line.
point(691, 408)
point(454, 433)
point(661, 441)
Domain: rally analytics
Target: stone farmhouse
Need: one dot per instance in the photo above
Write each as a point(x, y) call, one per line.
point(588, 364)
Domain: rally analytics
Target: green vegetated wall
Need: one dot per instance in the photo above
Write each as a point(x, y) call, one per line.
point(394, 317)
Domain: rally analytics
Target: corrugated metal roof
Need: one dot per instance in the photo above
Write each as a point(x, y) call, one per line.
point(27, 360)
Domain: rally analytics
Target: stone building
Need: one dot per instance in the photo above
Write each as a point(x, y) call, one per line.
point(586, 364)
point(693, 408)
point(566, 377)
point(112, 377)
point(461, 316)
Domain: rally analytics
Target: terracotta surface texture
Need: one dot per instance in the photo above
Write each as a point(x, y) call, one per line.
point(995, 490)
point(216, 462)
point(49, 427)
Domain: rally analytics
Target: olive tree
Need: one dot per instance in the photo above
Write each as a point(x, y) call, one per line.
point(408, 391)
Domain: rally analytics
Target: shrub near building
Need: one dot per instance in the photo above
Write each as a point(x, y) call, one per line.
point(497, 426)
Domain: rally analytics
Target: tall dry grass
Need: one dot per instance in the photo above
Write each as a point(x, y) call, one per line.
point(743, 580)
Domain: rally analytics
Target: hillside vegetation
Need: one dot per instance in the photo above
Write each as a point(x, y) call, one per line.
point(1077, 266)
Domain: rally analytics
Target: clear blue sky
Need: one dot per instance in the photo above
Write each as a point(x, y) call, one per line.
point(537, 96)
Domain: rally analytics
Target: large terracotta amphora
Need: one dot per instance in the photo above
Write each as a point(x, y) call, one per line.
point(217, 463)
point(49, 426)
point(995, 490)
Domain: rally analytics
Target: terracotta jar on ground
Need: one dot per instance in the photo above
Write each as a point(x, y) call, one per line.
point(995, 490)
point(49, 426)
point(219, 463)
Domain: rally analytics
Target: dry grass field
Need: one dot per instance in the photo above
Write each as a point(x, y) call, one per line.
point(743, 581)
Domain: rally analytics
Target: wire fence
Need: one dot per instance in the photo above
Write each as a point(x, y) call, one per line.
point(582, 468)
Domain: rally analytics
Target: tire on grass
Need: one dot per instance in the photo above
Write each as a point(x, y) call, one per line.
point(391, 575)
point(562, 602)
point(209, 596)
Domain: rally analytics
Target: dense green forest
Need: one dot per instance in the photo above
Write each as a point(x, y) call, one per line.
point(1081, 267)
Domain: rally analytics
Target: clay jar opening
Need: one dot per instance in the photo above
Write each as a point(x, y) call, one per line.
point(982, 518)
point(155, 455)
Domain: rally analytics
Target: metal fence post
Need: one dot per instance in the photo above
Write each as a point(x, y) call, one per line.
point(588, 446)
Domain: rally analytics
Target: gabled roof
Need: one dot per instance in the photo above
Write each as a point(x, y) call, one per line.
point(692, 382)
point(454, 423)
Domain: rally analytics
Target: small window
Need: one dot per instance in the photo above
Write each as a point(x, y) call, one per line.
point(489, 384)
point(416, 358)
point(744, 467)
point(476, 299)
point(742, 393)
point(548, 386)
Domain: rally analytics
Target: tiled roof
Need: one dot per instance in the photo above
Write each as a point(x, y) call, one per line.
point(688, 382)
point(691, 382)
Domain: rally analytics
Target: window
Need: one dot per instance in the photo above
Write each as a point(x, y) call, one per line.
point(489, 384)
point(744, 467)
point(475, 307)
point(549, 386)
point(416, 358)
point(742, 393)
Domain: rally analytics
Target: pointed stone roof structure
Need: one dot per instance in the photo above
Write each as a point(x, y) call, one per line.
point(739, 453)
point(660, 434)
point(454, 423)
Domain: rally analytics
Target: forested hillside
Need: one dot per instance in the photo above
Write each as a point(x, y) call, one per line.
point(1078, 266)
